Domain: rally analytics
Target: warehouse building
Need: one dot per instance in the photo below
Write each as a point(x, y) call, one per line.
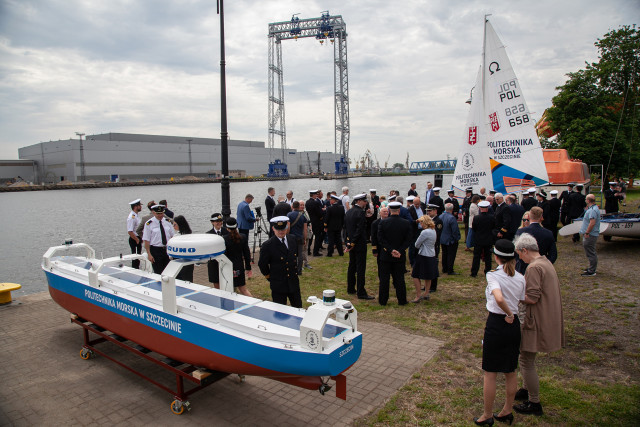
point(126, 156)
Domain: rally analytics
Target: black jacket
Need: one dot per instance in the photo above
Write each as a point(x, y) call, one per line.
point(237, 251)
point(316, 214)
point(528, 203)
point(394, 233)
point(547, 219)
point(503, 219)
point(546, 244)
point(414, 217)
point(279, 264)
point(577, 203)
point(334, 218)
point(355, 222)
point(437, 200)
point(483, 225)
point(517, 212)
point(269, 204)
point(554, 207)
point(455, 203)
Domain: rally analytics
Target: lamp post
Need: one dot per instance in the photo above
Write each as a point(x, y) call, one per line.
point(224, 137)
point(82, 170)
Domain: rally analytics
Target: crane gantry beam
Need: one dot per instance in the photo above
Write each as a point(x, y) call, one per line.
point(326, 27)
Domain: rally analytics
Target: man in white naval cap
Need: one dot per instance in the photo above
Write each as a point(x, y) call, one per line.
point(355, 225)
point(279, 264)
point(156, 234)
point(394, 237)
point(133, 220)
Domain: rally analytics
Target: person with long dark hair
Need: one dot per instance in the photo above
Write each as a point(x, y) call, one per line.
point(237, 250)
point(181, 225)
point(501, 343)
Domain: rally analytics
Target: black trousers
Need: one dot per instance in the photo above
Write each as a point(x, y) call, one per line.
point(281, 298)
point(434, 282)
point(136, 248)
point(481, 251)
point(355, 272)
point(449, 253)
point(160, 257)
point(393, 270)
point(335, 238)
point(317, 245)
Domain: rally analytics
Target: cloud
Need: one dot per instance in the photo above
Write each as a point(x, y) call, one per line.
point(153, 67)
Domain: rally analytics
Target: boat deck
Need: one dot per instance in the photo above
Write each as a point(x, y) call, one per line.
point(239, 312)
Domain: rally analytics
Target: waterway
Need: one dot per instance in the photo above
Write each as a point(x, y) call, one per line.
point(33, 221)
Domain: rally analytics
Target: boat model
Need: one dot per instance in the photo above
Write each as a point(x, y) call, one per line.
point(618, 224)
point(500, 149)
point(215, 329)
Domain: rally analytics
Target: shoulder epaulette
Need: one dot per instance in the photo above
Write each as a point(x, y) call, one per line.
point(149, 222)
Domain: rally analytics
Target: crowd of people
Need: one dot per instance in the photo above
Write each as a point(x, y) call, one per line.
point(419, 236)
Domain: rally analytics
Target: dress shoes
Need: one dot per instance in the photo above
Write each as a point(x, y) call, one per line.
point(487, 422)
point(528, 408)
point(367, 297)
point(507, 419)
point(522, 394)
point(317, 254)
point(453, 273)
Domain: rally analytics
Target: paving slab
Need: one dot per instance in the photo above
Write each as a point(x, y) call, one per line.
point(45, 382)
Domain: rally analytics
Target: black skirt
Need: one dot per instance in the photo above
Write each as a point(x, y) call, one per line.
point(501, 344)
point(425, 267)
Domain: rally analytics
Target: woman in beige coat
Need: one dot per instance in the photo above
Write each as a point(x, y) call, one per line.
point(543, 325)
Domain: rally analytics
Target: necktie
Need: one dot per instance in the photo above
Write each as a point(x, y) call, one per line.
point(284, 243)
point(164, 236)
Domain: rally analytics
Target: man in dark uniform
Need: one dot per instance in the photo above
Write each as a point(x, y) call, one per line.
point(333, 224)
point(517, 211)
point(503, 219)
point(269, 204)
point(494, 203)
point(416, 210)
point(546, 209)
point(432, 211)
point(278, 263)
point(437, 200)
point(544, 237)
point(217, 227)
point(394, 237)
point(577, 203)
point(133, 220)
point(483, 225)
point(315, 209)
point(156, 234)
point(554, 211)
point(530, 201)
point(384, 214)
point(612, 198)
point(564, 208)
point(454, 201)
point(355, 224)
point(466, 204)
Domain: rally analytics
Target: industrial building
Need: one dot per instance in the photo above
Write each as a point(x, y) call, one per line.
point(129, 156)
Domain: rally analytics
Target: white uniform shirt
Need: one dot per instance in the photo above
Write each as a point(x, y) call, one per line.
point(512, 289)
point(152, 233)
point(133, 220)
point(345, 201)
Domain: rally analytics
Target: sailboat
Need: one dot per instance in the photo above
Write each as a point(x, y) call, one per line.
point(500, 149)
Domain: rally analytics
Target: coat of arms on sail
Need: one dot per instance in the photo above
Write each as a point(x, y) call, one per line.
point(473, 135)
point(493, 118)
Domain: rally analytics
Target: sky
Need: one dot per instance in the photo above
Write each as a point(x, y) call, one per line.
point(153, 67)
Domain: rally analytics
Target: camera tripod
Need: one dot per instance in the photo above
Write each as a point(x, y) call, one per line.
point(257, 233)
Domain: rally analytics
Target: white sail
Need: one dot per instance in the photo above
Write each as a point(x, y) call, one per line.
point(512, 157)
point(473, 157)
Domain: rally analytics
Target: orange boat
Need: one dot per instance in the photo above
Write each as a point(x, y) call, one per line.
point(563, 170)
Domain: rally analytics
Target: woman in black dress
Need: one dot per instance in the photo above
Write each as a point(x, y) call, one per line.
point(237, 250)
point(501, 343)
point(181, 225)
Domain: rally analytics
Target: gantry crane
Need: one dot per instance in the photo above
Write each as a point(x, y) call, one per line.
point(325, 28)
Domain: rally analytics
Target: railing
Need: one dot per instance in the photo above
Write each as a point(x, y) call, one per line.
point(433, 166)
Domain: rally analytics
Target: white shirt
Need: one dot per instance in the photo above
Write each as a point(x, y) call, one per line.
point(512, 289)
point(345, 201)
point(152, 233)
point(133, 220)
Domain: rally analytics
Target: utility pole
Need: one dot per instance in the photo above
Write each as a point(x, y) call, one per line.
point(224, 136)
point(83, 173)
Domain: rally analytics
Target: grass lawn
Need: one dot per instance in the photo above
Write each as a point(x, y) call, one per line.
point(594, 380)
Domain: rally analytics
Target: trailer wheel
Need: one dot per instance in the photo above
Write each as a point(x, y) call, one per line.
point(177, 407)
point(85, 354)
point(607, 238)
